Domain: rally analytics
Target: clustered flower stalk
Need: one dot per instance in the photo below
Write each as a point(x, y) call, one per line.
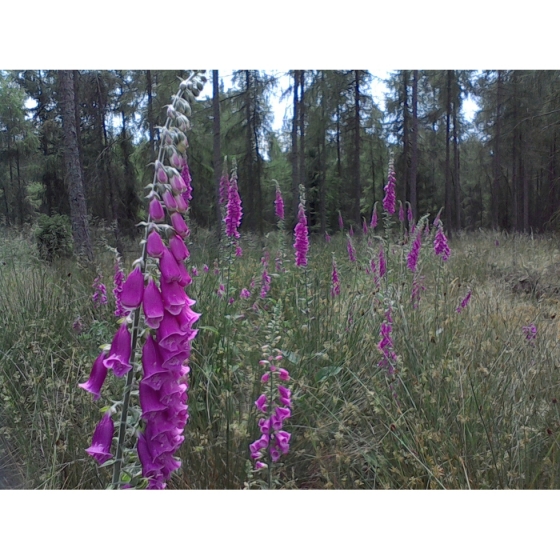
point(274, 406)
point(99, 296)
point(464, 302)
point(154, 290)
point(301, 244)
point(335, 289)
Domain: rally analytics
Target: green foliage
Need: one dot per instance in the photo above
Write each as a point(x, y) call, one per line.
point(54, 236)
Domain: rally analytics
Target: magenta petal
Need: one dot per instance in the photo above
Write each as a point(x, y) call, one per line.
point(119, 354)
point(169, 335)
point(169, 268)
point(149, 468)
point(151, 359)
point(173, 296)
point(150, 399)
point(260, 403)
point(133, 289)
point(100, 448)
point(152, 305)
point(169, 201)
point(157, 213)
point(179, 224)
point(96, 378)
point(154, 245)
point(178, 248)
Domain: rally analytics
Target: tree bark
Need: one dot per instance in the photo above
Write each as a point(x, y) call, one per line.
point(448, 210)
point(295, 166)
point(497, 166)
point(414, 145)
point(216, 148)
point(356, 164)
point(78, 208)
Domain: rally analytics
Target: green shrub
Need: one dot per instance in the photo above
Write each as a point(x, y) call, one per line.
point(54, 236)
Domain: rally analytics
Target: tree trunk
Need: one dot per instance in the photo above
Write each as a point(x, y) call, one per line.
point(216, 148)
point(448, 212)
point(295, 172)
point(356, 164)
point(497, 165)
point(251, 221)
point(406, 138)
point(323, 161)
point(301, 119)
point(78, 208)
point(151, 126)
point(456, 166)
point(414, 145)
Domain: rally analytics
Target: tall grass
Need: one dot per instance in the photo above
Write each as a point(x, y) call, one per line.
point(475, 402)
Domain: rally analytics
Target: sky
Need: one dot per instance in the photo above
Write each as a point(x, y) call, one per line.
point(283, 108)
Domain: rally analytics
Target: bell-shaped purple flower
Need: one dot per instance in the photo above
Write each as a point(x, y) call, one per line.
point(261, 403)
point(169, 335)
point(100, 448)
point(156, 211)
point(152, 305)
point(133, 290)
point(178, 248)
point(168, 267)
point(154, 245)
point(169, 201)
point(173, 296)
point(179, 224)
point(301, 244)
point(96, 378)
point(119, 354)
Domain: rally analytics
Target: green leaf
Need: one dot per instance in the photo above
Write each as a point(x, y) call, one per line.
point(207, 328)
point(326, 372)
point(291, 357)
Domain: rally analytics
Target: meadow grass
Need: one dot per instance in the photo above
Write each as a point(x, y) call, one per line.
point(473, 403)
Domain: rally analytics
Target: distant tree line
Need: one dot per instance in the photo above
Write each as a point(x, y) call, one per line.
point(84, 145)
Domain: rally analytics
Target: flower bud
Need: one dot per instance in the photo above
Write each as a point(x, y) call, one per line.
point(157, 213)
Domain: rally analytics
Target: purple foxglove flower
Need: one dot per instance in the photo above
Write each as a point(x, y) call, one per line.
point(233, 209)
point(238, 250)
point(285, 395)
point(390, 199)
point(181, 203)
point(351, 250)
point(245, 294)
point(176, 160)
point(156, 211)
point(364, 226)
point(173, 360)
point(279, 204)
point(186, 176)
point(409, 215)
point(417, 289)
point(283, 374)
point(440, 244)
point(194, 271)
point(100, 448)
point(187, 317)
point(265, 284)
point(301, 244)
point(185, 278)
point(401, 213)
point(152, 305)
point(119, 354)
point(178, 248)
point(173, 296)
point(96, 378)
point(150, 399)
point(282, 440)
point(133, 290)
point(274, 454)
point(224, 188)
point(382, 263)
point(169, 201)
point(179, 224)
point(161, 175)
point(154, 245)
point(260, 465)
point(530, 332)
point(168, 267)
point(149, 467)
point(373, 223)
point(169, 335)
point(412, 259)
point(178, 184)
point(151, 359)
point(335, 290)
point(265, 425)
point(265, 378)
point(261, 403)
point(464, 302)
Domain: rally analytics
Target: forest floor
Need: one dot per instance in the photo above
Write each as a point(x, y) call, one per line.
point(472, 401)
